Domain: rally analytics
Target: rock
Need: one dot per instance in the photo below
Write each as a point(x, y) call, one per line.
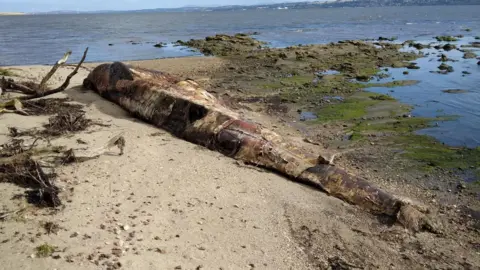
point(110, 44)
point(125, 227)
point(282, 55)
point(120, 243)
point(413, 66)
point(449, 47)
point(405, 72)
point(103, 227)
point(446, 38)
point(455, 91)
point(117, 252)
point(363, 78)
point(469, 55)
point(420, 46)
point(461, 186)
point(444, 58)
point(475, 44)
point(478, 63)
point(161, 250)
point(159, 45)
point(387, 39)
point(75, 234)
point(179, 267)
point(445, 67)
point(466, 72)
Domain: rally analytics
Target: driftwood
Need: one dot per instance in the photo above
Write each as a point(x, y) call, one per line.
point(9, 85)
point(189, 112)
point(32, 167)
point(54, 68)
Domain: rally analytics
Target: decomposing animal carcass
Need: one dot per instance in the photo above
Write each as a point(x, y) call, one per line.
point(189, 112)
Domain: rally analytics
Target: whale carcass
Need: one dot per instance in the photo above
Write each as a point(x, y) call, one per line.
point(189, 112)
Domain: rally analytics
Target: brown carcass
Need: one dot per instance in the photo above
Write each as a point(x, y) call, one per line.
point(189, 112)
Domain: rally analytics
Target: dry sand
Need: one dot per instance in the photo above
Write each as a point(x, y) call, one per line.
point(190, 208)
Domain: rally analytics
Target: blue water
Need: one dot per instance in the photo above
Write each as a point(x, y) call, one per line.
point(430, 101)
point(41, 39)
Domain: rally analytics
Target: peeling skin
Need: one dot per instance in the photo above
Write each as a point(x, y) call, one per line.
point(191, 113)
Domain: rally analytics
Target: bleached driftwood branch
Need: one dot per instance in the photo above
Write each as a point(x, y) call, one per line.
point(54, 69)
point(63, 86)
point(16, 106)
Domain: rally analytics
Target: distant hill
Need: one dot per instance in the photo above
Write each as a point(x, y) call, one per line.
point(296, 5)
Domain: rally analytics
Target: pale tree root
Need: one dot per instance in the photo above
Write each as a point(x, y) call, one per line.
point(189, 112)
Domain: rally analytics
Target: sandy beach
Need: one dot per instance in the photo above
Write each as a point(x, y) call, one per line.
point(11, 13)
point(169, 204)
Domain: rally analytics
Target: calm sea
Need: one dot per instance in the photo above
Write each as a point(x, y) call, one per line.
point(42, 39)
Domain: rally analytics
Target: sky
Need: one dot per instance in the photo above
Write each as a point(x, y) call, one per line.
point(89, 5)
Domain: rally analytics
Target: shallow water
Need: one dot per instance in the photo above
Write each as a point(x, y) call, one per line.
point(430, 101)
point(42, 39)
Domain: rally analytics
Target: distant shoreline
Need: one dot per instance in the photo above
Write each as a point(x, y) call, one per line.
point(12, 13)
point(278, 6)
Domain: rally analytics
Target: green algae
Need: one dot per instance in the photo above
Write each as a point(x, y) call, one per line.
point(382, 97)
point(307, 88)
point(353, 107)
point(433, 154)
point(392, 84)
point(446, 38)
point(430, 153)
point(290, 74)
point(223, 45)
point(401, 125)
point(348, 110)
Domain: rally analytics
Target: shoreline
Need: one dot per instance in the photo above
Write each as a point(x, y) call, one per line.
point(13, 14)
point(272, 9)
point(367, 88)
